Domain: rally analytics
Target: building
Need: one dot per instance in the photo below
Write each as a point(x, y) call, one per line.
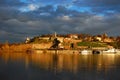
point(73, 36)
point(27, 40)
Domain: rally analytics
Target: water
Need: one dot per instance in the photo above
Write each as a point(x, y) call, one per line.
point(50, 66)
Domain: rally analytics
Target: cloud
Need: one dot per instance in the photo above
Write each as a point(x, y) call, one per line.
point(29, 7)
point(32, 7)
point(81, 16)
point(97, 2)
point(82, 24)
point(99, 6)
point(64, 18)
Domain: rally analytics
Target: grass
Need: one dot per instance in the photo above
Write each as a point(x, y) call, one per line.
point(40, 41)
point(92, 44)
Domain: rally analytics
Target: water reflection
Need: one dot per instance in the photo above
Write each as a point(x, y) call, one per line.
point(64, 62)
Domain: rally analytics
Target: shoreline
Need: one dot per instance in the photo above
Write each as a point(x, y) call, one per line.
point(65, 51)
point(35, 48)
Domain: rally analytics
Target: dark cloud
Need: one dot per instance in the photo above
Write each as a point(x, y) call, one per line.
point(11, 3)
point(99, 6)
point(96, 3)
point(16, 25)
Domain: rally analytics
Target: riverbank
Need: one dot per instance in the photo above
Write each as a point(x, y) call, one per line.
point(45, 48)
point(15, 47)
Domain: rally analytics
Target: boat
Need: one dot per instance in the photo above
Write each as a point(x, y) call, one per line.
point(112, 50)
point(95, 52)
point(84, 52)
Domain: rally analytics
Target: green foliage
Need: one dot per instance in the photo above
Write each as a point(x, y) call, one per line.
point(37, 40)
point(92, 44)
point(115, 44)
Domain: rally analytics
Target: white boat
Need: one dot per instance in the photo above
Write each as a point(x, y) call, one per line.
point(84, 52)
point(112, 50)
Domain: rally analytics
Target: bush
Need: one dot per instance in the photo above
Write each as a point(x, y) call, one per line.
point(115, 44)
point(92, 44)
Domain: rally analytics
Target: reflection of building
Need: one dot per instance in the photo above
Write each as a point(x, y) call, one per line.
point(73, 63)
point(64, 62)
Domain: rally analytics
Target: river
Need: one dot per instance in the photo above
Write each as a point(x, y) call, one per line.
point(51, 66)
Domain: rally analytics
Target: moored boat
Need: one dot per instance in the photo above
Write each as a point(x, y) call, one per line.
point(85, 52)
point(95, 52)
point(112, 50)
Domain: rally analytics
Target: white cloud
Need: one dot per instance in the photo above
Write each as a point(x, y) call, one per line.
point(64, 18)
point(33, 7)
point(45, 14)
point(29, 7)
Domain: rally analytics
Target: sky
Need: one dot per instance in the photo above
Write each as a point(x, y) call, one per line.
point(28, 18)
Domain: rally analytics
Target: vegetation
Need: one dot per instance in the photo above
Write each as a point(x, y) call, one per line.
point(40, 41)
point(115, 44)
point(15, 47)
point(92, 44)
point(79, 40)
point(37, 40)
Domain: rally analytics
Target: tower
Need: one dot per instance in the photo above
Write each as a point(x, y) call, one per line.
point(55, 35)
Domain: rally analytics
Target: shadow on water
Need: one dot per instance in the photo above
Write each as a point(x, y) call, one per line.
point(21, 66)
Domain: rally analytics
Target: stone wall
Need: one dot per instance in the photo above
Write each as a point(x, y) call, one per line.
point(41, 46)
